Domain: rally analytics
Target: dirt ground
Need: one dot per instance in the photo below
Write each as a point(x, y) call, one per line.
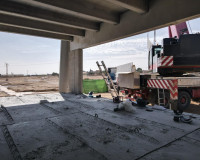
point(3, 94)
point(31, 84)
point(92, 77)
point(34, 83)
point(44, 84)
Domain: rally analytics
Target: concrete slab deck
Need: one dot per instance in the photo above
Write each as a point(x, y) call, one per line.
point(75, 127)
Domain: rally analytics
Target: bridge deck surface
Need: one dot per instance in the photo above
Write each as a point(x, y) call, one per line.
point(73, 127)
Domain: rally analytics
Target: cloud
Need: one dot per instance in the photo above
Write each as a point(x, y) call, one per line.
point(22, 51)
point(119, 52)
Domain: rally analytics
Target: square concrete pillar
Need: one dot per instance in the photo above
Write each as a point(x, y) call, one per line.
point(71, 69)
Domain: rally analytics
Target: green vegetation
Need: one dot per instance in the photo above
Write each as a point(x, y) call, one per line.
point(139, 70)
point(97, 86)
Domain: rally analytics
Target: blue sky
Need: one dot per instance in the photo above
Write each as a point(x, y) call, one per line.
point(35, 55)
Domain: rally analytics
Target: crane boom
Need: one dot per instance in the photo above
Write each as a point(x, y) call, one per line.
point(178, 29)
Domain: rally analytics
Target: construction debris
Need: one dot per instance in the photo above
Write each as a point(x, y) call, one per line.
point(126, 106)
point(90, 94)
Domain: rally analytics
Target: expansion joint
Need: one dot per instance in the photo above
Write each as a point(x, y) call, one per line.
point(7, 114)
point(11, 144)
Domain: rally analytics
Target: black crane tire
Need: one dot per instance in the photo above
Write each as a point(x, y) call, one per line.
point(184, 100)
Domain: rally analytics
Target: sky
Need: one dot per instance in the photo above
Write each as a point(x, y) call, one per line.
point(35, 55)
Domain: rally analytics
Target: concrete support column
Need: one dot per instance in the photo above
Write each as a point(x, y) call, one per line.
point(71, 69)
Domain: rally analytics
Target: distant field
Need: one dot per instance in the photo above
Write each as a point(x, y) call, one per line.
point(46, 84)
point(95, 85)
point(31, 84)
point(92, 77)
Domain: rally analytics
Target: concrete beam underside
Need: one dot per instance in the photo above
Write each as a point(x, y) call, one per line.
point(30, 12)
point(78, 8)
point(133, 5)
point(31, 32)
point(71, 69)
point(32, 24)
point(161, 14)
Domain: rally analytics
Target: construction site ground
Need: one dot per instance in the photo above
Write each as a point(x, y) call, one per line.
point(49, 84)
point(37, 122)
point(65, 126)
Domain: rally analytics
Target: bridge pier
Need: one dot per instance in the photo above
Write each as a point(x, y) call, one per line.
point(71, 69)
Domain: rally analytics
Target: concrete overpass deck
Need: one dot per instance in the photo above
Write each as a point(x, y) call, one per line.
point(73, 127)
point(88, 23)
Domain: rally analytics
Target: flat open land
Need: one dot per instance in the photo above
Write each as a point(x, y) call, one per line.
point(31, 84)
point(45, 84)
point(34, 83)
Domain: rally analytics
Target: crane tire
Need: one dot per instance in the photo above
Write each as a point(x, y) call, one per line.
point(184, 100)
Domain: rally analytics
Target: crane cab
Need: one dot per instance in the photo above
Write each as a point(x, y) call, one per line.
point(153, 56)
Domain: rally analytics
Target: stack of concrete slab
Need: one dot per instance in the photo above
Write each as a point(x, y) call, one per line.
point(127, 77)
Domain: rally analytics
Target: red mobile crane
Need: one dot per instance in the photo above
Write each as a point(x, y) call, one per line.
point(179, 54)
point(167, 85)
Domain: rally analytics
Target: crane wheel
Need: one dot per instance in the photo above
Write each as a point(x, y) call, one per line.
point(184, 100)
